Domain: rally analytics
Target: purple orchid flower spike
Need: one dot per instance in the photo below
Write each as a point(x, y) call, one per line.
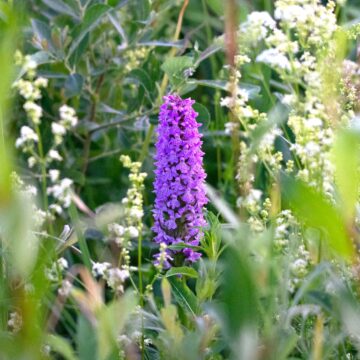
point(179, 178)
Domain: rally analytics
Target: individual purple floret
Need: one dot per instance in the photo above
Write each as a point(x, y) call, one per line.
point(179, 178)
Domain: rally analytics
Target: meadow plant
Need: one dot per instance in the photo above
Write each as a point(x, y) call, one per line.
point(229, 227)
point(179, 179)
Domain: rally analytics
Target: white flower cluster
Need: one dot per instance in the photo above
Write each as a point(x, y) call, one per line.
point(300, 45)
point(28, 194)
point(299, 268)
point(15, 322)
point(292, 49)
point(258, 26)
point(286, 229)
point(313, 22)
point(68, 120)
point(113, 276)
point(55, 272)
point(249, 119)
point(30, 89)
point(65, 288)
point(29, 140)
point(61, 191)
point(133, 203)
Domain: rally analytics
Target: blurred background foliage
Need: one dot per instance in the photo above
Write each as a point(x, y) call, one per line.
point(112, 61)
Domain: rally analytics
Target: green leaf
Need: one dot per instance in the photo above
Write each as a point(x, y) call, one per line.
point(43, 33)
point(312, 208)
point(111, 320)
point(174, 68)
point(346, 157)
point(252, 90)
point(61, 7)
point(92, 17)
point(211, 50)
point(61, 346)
point(239, 296)
point(163, 43)
point(86, 339)
point(217, 6)
point(182, 270)
point(184, 296)
point(73, 85)
point(203, 114)
point(143, 78)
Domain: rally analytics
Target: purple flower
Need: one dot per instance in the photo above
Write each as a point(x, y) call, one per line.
point(179, 178)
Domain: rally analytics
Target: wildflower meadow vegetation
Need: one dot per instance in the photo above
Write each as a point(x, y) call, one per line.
point(179, 179)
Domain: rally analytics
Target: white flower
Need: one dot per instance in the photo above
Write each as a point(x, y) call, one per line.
point(313, 122)
point(27, 135)
point(27, 90)
point(274, 58)
point(41, 82)
point(99, 269)
point(230, 127)
point(15, 322)
point(34, 111)
point(62, 191)
point(288, 99)
point(31, 161)
point(58, 129)
point(116, 229)
point(257, 25)
point(65, 288)
point(68, 116)
point(116, 278)
point(133, 231)
point(62, 263)
point(227, 102)
point(54, 155)
point(56, 208)
point(136, 213)
point(299, 267)
point(54, 174)
point(312, 148)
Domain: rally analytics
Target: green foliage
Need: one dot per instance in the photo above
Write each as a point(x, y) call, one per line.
point(279, 275)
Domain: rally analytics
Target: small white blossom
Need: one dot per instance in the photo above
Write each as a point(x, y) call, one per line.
point(62, 191)
point(274, 58)
point(62, 263)
point(58, 129)
point(54, 174)
point(99, 269)
point(56, 208)
point(68, 116)
point(41, 82)
point(65, 288)
point(27, 136)
point(34, 111)
point(54, 155)
point(116, 278)
point(31, 161)
point(257, 25)
point(15, 322)
point(133, 231)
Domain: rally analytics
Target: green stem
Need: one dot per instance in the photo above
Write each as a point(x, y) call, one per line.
point(141, 293)
point(147, 141)
point(43, 175)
